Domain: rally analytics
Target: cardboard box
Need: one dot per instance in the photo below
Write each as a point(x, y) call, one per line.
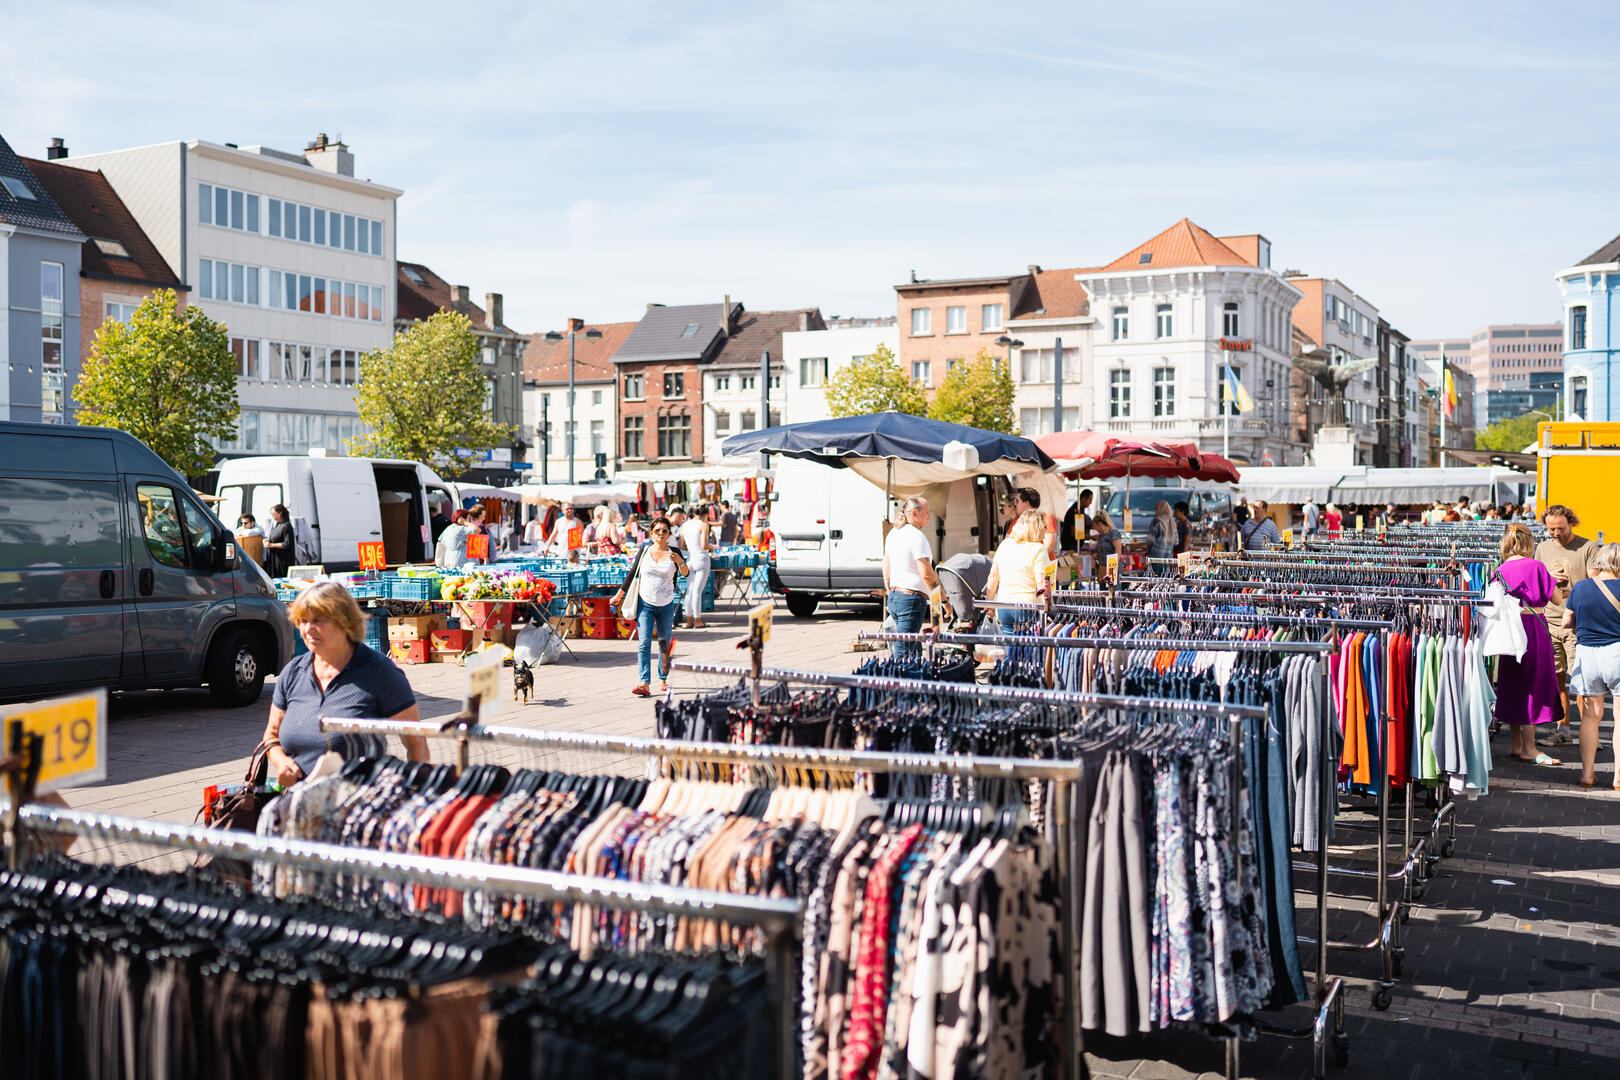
point(624, 628)
point(596, 607)
point(600, 628)
point(408, 652)
point(484, 615)
point(452, 640)
point(504, 636)
point(573, 626)
point(413, 627)
point(448, 656)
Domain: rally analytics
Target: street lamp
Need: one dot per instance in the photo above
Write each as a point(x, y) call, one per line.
point(1009, 343)
point(590, 335)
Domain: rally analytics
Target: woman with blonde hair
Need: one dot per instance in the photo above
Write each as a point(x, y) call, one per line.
point(1527, 687)
point(340, 676)
point(1593, 609)
point(1018, 572)
point(1162, 539)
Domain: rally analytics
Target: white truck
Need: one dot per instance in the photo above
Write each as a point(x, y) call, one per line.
point(344, 500)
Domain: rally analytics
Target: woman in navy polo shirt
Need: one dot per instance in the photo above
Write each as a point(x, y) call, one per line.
point(1593, 609)
point(340, 676)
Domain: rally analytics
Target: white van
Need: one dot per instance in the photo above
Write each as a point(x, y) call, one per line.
point(829, 531)
point(344, 500)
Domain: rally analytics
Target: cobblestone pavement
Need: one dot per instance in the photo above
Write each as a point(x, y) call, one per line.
point(1512, 958)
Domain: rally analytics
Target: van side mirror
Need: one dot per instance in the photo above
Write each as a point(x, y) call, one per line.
point(224, 550)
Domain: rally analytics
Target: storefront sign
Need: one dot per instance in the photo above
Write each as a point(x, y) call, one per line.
point(74, 731)
point(373, 556)
point(1237, 344)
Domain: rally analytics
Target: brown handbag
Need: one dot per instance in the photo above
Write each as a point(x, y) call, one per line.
point(237, 809)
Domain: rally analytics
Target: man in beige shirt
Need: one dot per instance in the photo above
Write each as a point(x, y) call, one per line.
point(1569, 559)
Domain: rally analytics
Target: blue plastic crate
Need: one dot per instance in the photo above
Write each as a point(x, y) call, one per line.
point(287, 592)
point(377, 632)
point(607, 572)
point(568, 582)
point(369, 590)
point(558, 607)
point(412, 588)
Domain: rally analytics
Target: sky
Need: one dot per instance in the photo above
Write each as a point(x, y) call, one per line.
point(585, 159)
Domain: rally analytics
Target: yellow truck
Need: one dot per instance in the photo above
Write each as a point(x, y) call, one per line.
point(1578, 466)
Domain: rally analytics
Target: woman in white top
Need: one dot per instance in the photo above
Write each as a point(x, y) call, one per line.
point(452, 548)
point(695, 539)
point(534, 533)
point(1018, 573)
point(653, 573)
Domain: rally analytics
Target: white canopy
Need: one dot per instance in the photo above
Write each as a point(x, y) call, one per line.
point(731, 468)
point(576, 494)
point(484, 491)
point(1364, 484)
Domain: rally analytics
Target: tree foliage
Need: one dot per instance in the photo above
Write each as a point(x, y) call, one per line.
point(1512, 434)
point(166, 377)
point(873, 384)
point(978, 393)
point(423, 397)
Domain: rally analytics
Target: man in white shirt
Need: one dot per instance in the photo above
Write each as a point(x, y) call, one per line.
point(908, 572)
point(1312, 516)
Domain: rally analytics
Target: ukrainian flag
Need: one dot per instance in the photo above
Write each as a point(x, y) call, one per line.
point(1232, 390)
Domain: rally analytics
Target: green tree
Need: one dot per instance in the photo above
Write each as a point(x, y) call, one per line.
point(1512, 434)
point(424, 397)
point(166, 377)
point(978, 393)
point(873, 384)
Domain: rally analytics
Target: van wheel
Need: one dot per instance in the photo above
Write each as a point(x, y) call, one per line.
point(802, 604)
point(236, 669)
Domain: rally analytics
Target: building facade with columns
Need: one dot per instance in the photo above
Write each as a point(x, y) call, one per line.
point(1169, 316)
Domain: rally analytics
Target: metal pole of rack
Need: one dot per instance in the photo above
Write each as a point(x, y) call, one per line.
point(1110, 642)
point(1349, 590)
point(1225, 618)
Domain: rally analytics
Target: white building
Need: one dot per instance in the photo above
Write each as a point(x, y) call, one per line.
point(1170, 315)
point(292, 252)
point(810, 357)
point(1052, 309)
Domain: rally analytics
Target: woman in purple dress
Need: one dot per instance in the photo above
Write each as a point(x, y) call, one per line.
point(1527, 689)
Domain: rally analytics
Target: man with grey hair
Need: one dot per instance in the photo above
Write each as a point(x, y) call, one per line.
point(908, 572)
point(1568, 558)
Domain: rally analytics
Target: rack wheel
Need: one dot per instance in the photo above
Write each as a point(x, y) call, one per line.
point(1448, 847)
point(1382, 998)
point(1406, 913)
point(1341, 1051)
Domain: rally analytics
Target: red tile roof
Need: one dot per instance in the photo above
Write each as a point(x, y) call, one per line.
point(547, 361)
point(753, 332)
point(1053, 294)
point(1182, 244)
point(90, 202)
point(422, 300)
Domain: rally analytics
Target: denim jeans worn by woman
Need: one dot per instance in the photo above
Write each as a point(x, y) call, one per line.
point(648, 616)
point(908, 610)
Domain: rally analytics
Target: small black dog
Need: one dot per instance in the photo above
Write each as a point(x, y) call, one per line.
point(522, 680)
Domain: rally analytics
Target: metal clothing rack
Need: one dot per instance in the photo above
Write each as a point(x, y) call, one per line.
point(781, 920)
point(1225, 618)
point(1112, 641)
point(1063, 774)
point(1346, 589)
point(1329, 992)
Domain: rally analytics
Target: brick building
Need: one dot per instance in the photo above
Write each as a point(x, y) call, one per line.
point(660, 371)
point(947, 321)
point(119, 266)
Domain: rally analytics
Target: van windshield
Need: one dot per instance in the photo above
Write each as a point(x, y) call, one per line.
point(1143, 501)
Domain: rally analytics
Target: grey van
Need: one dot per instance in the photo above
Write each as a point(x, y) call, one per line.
point(113, 573)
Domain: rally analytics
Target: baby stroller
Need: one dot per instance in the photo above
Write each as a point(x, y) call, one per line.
point(962, 579)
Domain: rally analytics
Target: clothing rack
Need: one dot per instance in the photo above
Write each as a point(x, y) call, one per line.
point(1329, 993)
point(1428, 595)
point(1062, 773)
point(1289, 558)
point(1229, 618)
point(781, 920)
point(1108, 642)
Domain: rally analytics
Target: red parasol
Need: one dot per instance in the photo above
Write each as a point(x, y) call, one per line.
point(1091, 455)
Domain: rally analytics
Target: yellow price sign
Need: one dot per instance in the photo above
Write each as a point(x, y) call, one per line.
point(1113, 568)
point(1288, 538)
point(1360, 524)
point(759, 619)
point(74, 734)
point(1184, 562)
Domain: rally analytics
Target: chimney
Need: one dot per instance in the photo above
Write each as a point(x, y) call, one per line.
point(725, 316)
point(576, 325)
point(494, 310)
point(329, 156)
point(56, 151)
point(804, 320)
point(461, 300)
point(1034, 269)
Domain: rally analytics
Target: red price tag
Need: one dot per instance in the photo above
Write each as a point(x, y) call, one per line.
point(372, 555)
point(477, 545)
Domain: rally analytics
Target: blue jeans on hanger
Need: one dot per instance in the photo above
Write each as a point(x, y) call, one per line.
point(908, 611)
point(647, 616)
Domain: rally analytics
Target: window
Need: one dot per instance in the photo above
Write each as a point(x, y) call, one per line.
point(1122, 323)
point(748, 382)
point(376, 303)
point(598, 437)
point(1032, 422)
point(722, 422)
point(334, 232)
point(348, 300)
point(596, 397)
point(813, 371)
point(921, 321)
point(690, 331)
point(253, 213)
point(118, 310)
point(921, 371)
point(1229, 319)
point(1037, 365)
point(246, 352)
point(111, 247)
point(1577, 330)
point(722, 383)
point(1119, 395)
point(376, 239)
point(348, 232)
point(950, 364)
point(633, 392)
point(776, 382)
point(1577, 396)
point(275, 217)
point(674, 435)
point(1164, 391)
point(160, 518)
point(746, 419)
point(19, 189)
point(674, 384)
point(50, 314)
point(990, 317)
point(205, 278)
point(304, 224)
point(320, 296)
point(956, 319)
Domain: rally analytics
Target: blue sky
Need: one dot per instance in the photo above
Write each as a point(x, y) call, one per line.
point(1443, 159)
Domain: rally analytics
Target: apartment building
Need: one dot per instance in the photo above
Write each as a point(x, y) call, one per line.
point(545, 410)
point(944, 322)
point(40, 252)
point(660, 369)
point(1591, 297)
point(1170, 316)
point(811, 357)
point(292, 252)
point(1052, 312)
point(1516, 367)
point(745, 385)
point(1344, 325)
